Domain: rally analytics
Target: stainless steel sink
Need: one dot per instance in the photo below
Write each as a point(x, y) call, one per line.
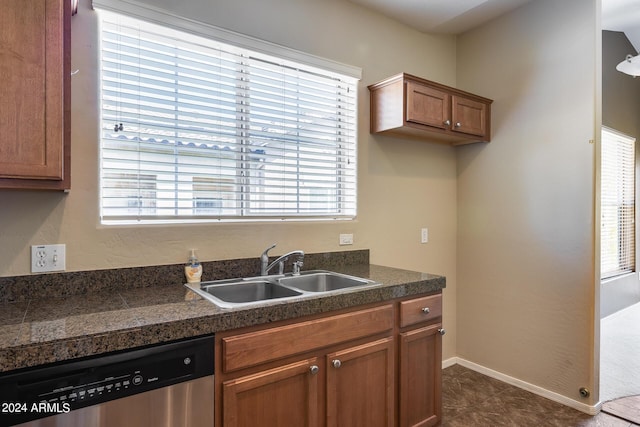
point(242, 292)
point(249, 291)
point(323, 281)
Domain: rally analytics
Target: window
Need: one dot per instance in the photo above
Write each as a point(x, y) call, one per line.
point(618, 204)
point(212, 195)
point(196, 129)
point(136, 192)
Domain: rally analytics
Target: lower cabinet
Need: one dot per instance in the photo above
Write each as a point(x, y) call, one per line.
point(420, 361)
point(360, 385)
point(378, 366)
point(283, 396)
point(420, 372)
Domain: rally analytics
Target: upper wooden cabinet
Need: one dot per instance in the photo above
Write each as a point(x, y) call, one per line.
point(411, 106)
point(35, 94)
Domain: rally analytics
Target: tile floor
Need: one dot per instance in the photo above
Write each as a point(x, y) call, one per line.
point(470, 399)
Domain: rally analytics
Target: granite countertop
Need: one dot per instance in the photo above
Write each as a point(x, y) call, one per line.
point(44, 330)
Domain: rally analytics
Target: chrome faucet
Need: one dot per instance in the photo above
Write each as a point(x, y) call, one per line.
point(265, 267)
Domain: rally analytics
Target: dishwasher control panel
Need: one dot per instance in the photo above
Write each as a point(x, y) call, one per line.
point(43, 391)
point(102, 388)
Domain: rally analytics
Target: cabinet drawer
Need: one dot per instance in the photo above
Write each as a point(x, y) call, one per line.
point(420, 310)
point(253, 348)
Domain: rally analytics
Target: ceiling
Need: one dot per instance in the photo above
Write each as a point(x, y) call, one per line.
point(442, 16)
point(623, 15)
point(458, 16)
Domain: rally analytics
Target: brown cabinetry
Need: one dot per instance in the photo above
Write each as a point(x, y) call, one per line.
point(34, 95)
point(283, 396)
point(420, 367)
point(410, 106)
point(420, 362)
point(288, 374)
point(358, 367)
point(419, 310)
point(360, 385)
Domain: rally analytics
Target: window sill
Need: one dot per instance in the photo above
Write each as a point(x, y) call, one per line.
point(618, 277)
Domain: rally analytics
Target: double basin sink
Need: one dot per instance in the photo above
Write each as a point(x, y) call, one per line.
point(231, 293)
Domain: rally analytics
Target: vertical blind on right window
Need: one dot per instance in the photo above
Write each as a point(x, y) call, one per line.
point(617, 204)
point(193, 128)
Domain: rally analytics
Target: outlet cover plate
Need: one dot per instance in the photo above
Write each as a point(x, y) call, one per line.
point(346, 239)
point(46, 258)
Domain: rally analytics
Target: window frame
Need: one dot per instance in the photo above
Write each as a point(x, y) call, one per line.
point(619, 236)
point(158, 16)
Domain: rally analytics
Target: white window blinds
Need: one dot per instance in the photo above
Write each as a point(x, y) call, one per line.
point(195, 129)
point(617, 204)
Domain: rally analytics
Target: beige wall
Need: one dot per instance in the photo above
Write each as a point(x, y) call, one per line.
point(526, 200)
point(403, 185)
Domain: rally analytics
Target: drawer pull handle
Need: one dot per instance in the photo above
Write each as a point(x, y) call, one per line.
point(447, 122)
point(314, 369)
point(336, 363)
point(458, 124)
point(442, 331)
point(425, 310)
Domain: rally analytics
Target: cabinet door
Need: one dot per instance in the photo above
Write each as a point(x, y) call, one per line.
point(360, 386)
point(33, 71)
point(283, 396)
point(469, 116)
point(428, 106)
point(421, 377)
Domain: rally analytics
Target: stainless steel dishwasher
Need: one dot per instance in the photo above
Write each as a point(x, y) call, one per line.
point(168, 385)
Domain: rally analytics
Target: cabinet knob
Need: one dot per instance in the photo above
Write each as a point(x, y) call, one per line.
point(447, 122)
point(458, 124)
point(425, 310)
point(336, 363)
point(314, 369)
point(442, 331)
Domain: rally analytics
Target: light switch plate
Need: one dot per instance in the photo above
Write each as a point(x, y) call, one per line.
point(424, 235)
point(45, 258)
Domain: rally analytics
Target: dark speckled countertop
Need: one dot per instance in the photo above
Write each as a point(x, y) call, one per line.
point(40, 330)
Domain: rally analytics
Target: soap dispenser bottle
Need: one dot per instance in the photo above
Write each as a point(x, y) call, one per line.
point(193, 269)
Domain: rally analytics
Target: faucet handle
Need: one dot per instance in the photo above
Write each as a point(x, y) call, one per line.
point(264, 258)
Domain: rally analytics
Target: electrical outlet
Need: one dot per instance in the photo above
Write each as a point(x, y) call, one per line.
point(424, 236)
point(346, 239)
point(45, 258)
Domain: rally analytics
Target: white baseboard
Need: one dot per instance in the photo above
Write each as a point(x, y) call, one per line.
point(449, 362)
point(582, 407)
